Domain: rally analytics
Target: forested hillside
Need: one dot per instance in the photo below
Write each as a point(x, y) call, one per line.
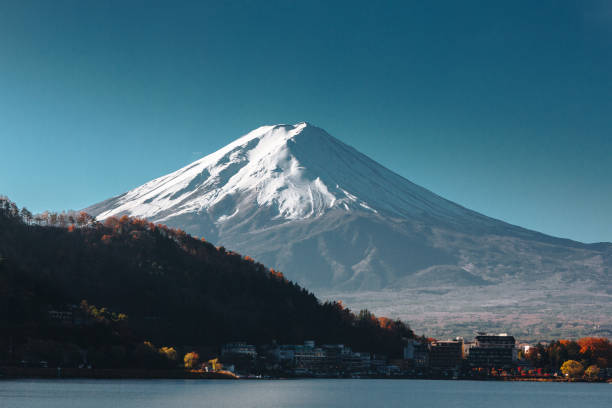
point(162, 285)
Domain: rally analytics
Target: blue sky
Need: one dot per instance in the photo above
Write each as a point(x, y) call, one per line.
point(503, 108)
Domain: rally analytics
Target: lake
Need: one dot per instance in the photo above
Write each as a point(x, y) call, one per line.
point(298, 393)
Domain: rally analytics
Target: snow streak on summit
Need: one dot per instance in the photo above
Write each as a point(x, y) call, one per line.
point(299, 200)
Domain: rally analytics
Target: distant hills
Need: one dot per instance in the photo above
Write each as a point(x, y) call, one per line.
point(150, 282)
point(303, 202)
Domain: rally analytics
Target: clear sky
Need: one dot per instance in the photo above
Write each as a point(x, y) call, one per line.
point(503, 107)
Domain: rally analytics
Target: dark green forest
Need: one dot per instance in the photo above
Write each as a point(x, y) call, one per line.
point(157, 284)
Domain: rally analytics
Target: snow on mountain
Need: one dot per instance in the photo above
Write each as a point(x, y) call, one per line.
point(299, 170)
point(299, 200)
point(259, 162)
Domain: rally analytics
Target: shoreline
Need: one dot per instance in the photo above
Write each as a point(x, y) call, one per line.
point(7, 373)
point(110, 373)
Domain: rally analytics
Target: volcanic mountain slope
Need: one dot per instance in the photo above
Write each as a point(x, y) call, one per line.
point(300, 200)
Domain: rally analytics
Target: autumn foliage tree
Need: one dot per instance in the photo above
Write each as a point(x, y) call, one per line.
point(592, 372)
point(597, 350)
point(191, 360)
point(169, 353)
point(587, 350)
point(572, 368)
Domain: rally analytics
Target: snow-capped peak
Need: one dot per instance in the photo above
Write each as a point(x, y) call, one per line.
point(258, 166)
point(293, 171)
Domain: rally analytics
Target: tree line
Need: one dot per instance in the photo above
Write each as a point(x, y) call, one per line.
point(585, 356)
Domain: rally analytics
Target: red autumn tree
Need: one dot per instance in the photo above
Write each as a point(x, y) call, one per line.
point(598, 349)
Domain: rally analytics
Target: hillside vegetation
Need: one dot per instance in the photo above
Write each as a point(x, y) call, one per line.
point(150, 282)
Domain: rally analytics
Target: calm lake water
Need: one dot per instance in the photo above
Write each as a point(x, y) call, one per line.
point(298, 393)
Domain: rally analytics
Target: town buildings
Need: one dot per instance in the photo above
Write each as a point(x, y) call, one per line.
point(446, 354)
point(417, 352)
point(420, 357)
point(239, 348)
point(493, 351)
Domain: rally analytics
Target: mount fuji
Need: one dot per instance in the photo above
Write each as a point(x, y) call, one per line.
point(301, 201)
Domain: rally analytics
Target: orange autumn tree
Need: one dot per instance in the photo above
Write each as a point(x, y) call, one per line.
point(277, 274)
point(593, 344)
point(191, 359)
point(367, 318)
point(385, 322)
point(598, 349)
point(168, 352)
